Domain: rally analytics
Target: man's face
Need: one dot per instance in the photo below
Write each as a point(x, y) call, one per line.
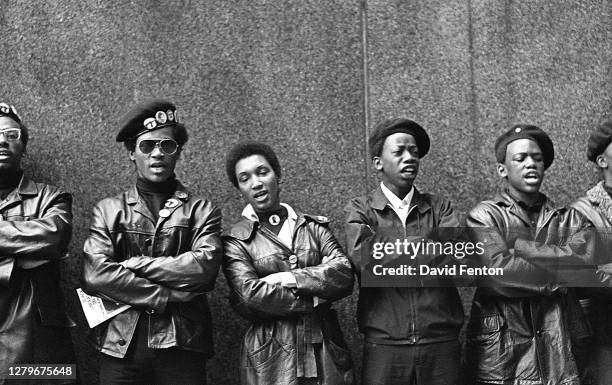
point(258, 183)
point(398, 162)
point(604, 161)
point(11, 151)
point(523, 167)
point(156, 166)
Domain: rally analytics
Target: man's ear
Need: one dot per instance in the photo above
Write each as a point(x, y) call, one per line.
point(131, 155)
point(377, 163)
point(501, 170)
point(601, 161)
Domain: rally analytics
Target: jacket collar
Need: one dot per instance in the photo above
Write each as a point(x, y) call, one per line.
point(244, 229)
point(180, 196)
point(379, 201)
point(26, 187)
point(599, 197)
point(548, 207)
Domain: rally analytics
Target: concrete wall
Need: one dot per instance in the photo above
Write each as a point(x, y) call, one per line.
point(292, 74)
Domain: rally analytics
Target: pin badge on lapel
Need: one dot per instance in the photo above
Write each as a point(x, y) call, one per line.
point(164, 213)
point(170, 203)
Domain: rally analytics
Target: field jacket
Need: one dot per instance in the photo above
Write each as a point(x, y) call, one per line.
point(289, 337)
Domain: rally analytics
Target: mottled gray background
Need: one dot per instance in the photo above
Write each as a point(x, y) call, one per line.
point(311, 78)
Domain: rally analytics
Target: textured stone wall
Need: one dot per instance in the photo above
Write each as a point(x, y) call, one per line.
point(292, 74)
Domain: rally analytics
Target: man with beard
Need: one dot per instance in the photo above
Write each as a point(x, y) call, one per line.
point(522, 326)
point(155, 247)
point(35, 229)
point(411, 333)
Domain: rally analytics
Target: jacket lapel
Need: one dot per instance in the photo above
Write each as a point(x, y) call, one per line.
point(26, 188)
point(139, 206)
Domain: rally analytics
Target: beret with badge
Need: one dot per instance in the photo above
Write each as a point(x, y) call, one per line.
point(599, 140)
point(525, 131)
point(145, 117)
point(392, 126)
point(10, 111)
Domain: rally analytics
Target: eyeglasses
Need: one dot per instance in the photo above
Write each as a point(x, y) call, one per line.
point(167, 146)
point(11, 134)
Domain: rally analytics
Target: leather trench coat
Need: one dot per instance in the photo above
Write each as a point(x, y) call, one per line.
point(401, 315)
point(524, 332)
point(289, 338)
point(162, 270)
point(35, 230)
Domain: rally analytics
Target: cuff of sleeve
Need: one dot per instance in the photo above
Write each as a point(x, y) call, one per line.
point(162, 301)
point(6, 269)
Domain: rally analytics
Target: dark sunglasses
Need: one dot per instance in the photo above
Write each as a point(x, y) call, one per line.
point(167, 146)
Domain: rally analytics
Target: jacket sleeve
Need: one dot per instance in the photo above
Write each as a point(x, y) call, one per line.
point(252, 297)
point(194, 270)
point(104, 277)
point(522, 278)
point(572, 260)
point(359, 235)
point(43, 238)
point(331, 280)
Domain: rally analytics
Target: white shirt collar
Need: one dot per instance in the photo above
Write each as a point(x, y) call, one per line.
point(394, 199)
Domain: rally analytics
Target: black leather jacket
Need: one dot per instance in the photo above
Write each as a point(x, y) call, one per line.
point(401, 315)
point(162, 268)
point(596, 206)
point(522, 332)
point(35, 230)
point(286, 329)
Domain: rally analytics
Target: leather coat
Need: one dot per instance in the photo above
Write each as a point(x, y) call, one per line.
point(161, 269)
point(401, 315)
point(596, 206)
point(289, 338)
point(521, 332)
point(35, 230)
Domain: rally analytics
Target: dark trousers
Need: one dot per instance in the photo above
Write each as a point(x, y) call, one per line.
point(423, 364)
point(144, 366)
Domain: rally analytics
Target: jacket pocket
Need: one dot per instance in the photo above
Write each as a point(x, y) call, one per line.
point(267, 354)
point(487, 348)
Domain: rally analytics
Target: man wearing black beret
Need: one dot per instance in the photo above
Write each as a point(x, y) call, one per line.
point(411, 333)
point(155, 247)
point(523, 323)
point(596, 205)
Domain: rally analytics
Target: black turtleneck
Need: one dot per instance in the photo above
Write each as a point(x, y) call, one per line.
point(9, 180)
point(155, 194)
point(274, 224)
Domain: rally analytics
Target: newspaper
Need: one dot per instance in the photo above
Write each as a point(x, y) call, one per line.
point(98, 310)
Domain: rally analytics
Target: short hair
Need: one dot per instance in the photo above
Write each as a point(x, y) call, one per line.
point(179, 132)
point(25, 135)
point(245, 149)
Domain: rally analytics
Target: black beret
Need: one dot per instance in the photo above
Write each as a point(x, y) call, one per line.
point(599, 140)
point(10, 111)
point(392, 126)
point(245, 149)
point(147, 116)
point(526, 131)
